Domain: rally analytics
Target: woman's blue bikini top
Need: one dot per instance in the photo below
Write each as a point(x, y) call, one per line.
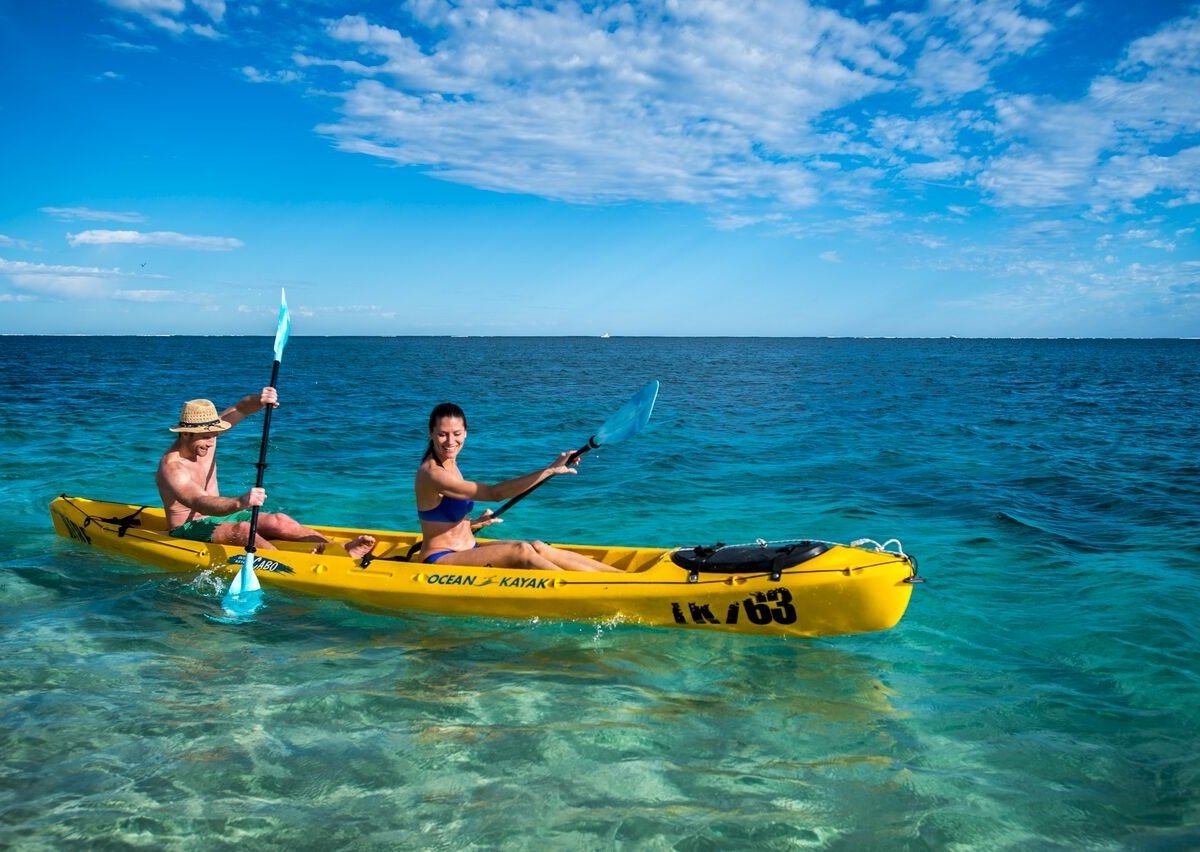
point(450, 510)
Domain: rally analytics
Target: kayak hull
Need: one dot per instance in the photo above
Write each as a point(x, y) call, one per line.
point(842, 590)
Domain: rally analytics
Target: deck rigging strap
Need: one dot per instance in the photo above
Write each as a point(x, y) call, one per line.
point(123, 523)
point(371, 557)
point(758, 558)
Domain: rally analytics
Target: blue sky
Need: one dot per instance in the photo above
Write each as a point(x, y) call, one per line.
point(712, 167)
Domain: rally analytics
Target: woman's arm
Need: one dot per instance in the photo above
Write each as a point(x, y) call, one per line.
point(449, 484)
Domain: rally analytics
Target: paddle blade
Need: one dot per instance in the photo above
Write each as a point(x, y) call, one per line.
point(284, 329)
point(631, 419)
point(244, 594)
point(240, 609)
point(246, 580)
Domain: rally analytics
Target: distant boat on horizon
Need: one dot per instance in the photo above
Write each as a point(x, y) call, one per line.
point(605, 336)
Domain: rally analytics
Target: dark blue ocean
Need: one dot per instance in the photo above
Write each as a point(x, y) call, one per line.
point(1042, 691)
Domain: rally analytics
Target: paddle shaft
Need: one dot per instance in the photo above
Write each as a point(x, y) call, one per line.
point(574, 457)
point(262, 462)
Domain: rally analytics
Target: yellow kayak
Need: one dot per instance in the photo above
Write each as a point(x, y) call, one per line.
point(794, 588)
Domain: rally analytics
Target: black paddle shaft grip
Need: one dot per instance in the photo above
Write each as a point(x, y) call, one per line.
point(262, 462)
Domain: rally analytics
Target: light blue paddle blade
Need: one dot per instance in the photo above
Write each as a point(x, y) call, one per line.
point(239, 610)
point(244, 595)
point(631, 419)
point(246, 580)
point(284, 329)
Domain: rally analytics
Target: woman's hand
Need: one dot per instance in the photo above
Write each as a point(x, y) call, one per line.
point(565, 463)
point(485, 520)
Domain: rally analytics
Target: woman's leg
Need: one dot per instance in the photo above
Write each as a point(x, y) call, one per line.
point(500, 554)
point(570, 560)
point(525, 554)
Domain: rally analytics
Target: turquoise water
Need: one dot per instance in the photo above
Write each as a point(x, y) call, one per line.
point(1041, 692)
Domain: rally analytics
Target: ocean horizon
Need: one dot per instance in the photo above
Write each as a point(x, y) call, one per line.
point(593, 336)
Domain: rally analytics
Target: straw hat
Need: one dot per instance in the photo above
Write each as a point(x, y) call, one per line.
point(199, 416)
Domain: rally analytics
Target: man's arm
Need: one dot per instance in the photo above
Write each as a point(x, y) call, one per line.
point(249, 404)
point(188, 493)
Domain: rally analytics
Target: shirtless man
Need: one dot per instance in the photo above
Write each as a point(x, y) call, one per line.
point(187, 483)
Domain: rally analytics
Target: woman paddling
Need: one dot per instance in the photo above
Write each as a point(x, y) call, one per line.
point(445, 500)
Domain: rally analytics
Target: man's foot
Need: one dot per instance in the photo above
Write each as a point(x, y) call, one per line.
point(360, 546)
point(319, 549)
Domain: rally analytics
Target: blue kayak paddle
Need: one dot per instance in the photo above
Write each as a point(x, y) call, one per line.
point(244, 595)
point(627, 422)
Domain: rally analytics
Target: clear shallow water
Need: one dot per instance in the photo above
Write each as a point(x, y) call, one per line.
point(1042, 691)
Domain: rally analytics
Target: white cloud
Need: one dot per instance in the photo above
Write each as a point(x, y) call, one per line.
point(991, 28)
point(64, 281)
point(945, 72)
point(149, 7)
point(926, 135)
point(962, 41)
point(215, 9)
point(1101, 150)
point(717, 105)
point(69, 214)
point(59, 281)
point(12, 242)
point(146, 295)
point(176, 16)
point(122, 45)
point(254, 75)
point(757, 108)
point(929, 241)
point(1172, 49)
point(767, 113)
point(1051, 298)
point(154, 239)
